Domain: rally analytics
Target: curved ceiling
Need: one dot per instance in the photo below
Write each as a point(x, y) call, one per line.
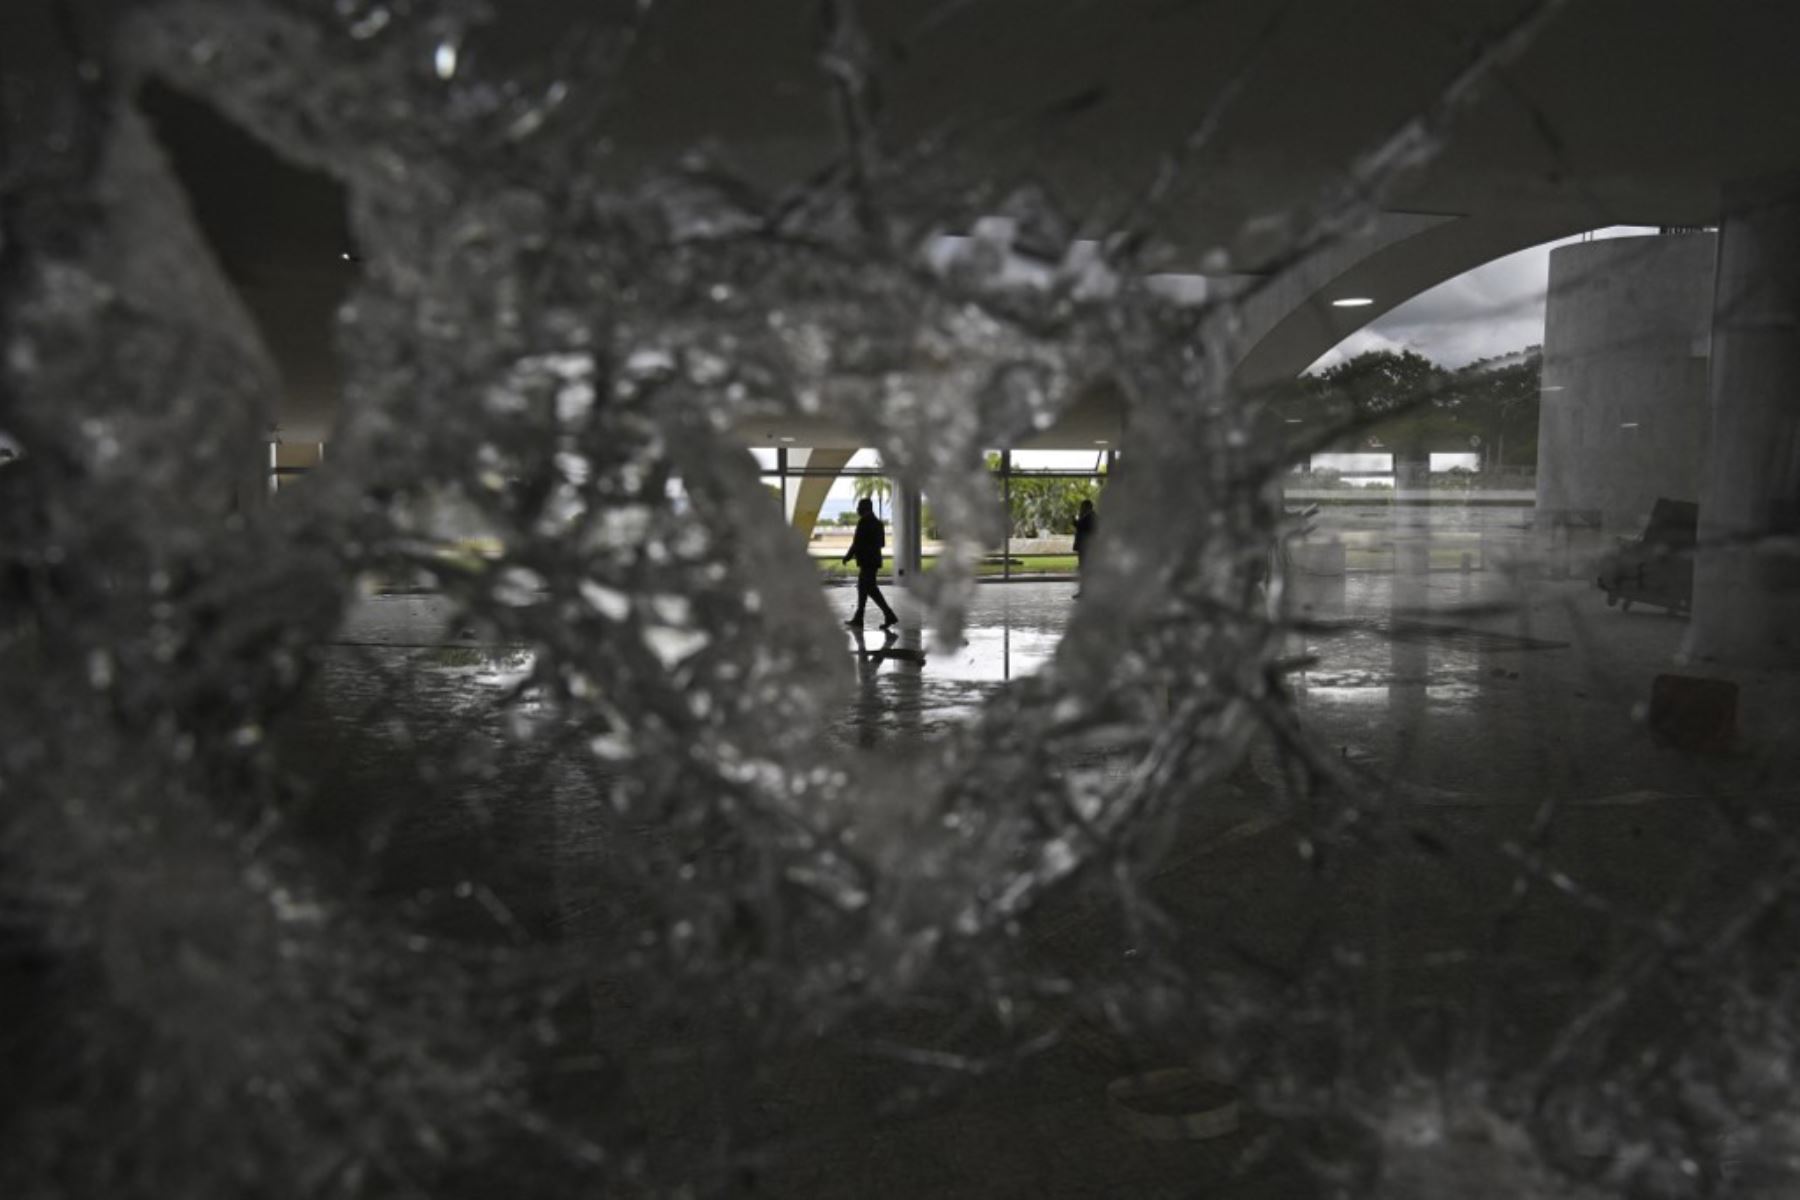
point(1618, 111)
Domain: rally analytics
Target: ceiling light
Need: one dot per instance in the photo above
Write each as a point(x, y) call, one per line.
point(1628, 424)
point(1293, 420)
point(1099, 441)
point(787, 439)
point(1353, 302)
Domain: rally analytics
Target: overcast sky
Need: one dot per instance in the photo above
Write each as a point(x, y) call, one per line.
point(1491, 310)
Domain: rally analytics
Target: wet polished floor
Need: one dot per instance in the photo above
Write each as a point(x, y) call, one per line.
point(1512, 675)
point(1471, 675)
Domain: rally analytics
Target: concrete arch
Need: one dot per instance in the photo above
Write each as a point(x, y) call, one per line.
point(805, 500)
point(1290, 321)
point(1287, 321)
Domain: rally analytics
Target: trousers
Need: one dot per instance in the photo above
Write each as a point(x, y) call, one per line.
point(868, 587)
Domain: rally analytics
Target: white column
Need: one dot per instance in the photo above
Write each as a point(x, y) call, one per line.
point(909, 539)
point(1747, 577)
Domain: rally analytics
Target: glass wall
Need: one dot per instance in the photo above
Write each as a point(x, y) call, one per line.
point(1041, 492)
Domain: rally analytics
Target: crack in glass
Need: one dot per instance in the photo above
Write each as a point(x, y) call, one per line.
point(261, 981)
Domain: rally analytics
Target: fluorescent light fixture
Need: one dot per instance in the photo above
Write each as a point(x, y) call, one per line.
point(1099, 441)
point(787, 439)
point(1553, 387)
point(1353, 302)
point(1293, 420)
point(1628, 424)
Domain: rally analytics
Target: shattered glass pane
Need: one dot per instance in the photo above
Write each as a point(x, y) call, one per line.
point(435, 766)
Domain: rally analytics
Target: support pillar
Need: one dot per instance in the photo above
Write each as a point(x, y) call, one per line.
point(908, 549)
point(1412, 472)
point(1006, 534)
point(1747, 577)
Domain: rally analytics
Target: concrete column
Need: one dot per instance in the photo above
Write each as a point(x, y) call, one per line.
point(909, 538)
point(1747, 578)
point(1624, 414)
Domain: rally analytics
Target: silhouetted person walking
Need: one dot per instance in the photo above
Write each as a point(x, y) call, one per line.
point(865, 548)
point(1085, 521)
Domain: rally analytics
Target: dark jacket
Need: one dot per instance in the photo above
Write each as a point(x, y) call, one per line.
point(865, 547)
point(1084, 532)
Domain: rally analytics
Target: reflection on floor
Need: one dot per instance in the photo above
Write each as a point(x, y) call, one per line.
point(911, 687)
point(1500, 676)
point(1457, 679)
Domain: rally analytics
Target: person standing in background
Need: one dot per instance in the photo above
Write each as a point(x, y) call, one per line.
point(1085, 522)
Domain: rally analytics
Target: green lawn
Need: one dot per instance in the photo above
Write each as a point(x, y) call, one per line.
point(1358, 558)
point(1022, 564)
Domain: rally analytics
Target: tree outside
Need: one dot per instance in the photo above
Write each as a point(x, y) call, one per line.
point(1043, 506)
point(1411, 406)
point(874, 487)
point(1504, 402)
